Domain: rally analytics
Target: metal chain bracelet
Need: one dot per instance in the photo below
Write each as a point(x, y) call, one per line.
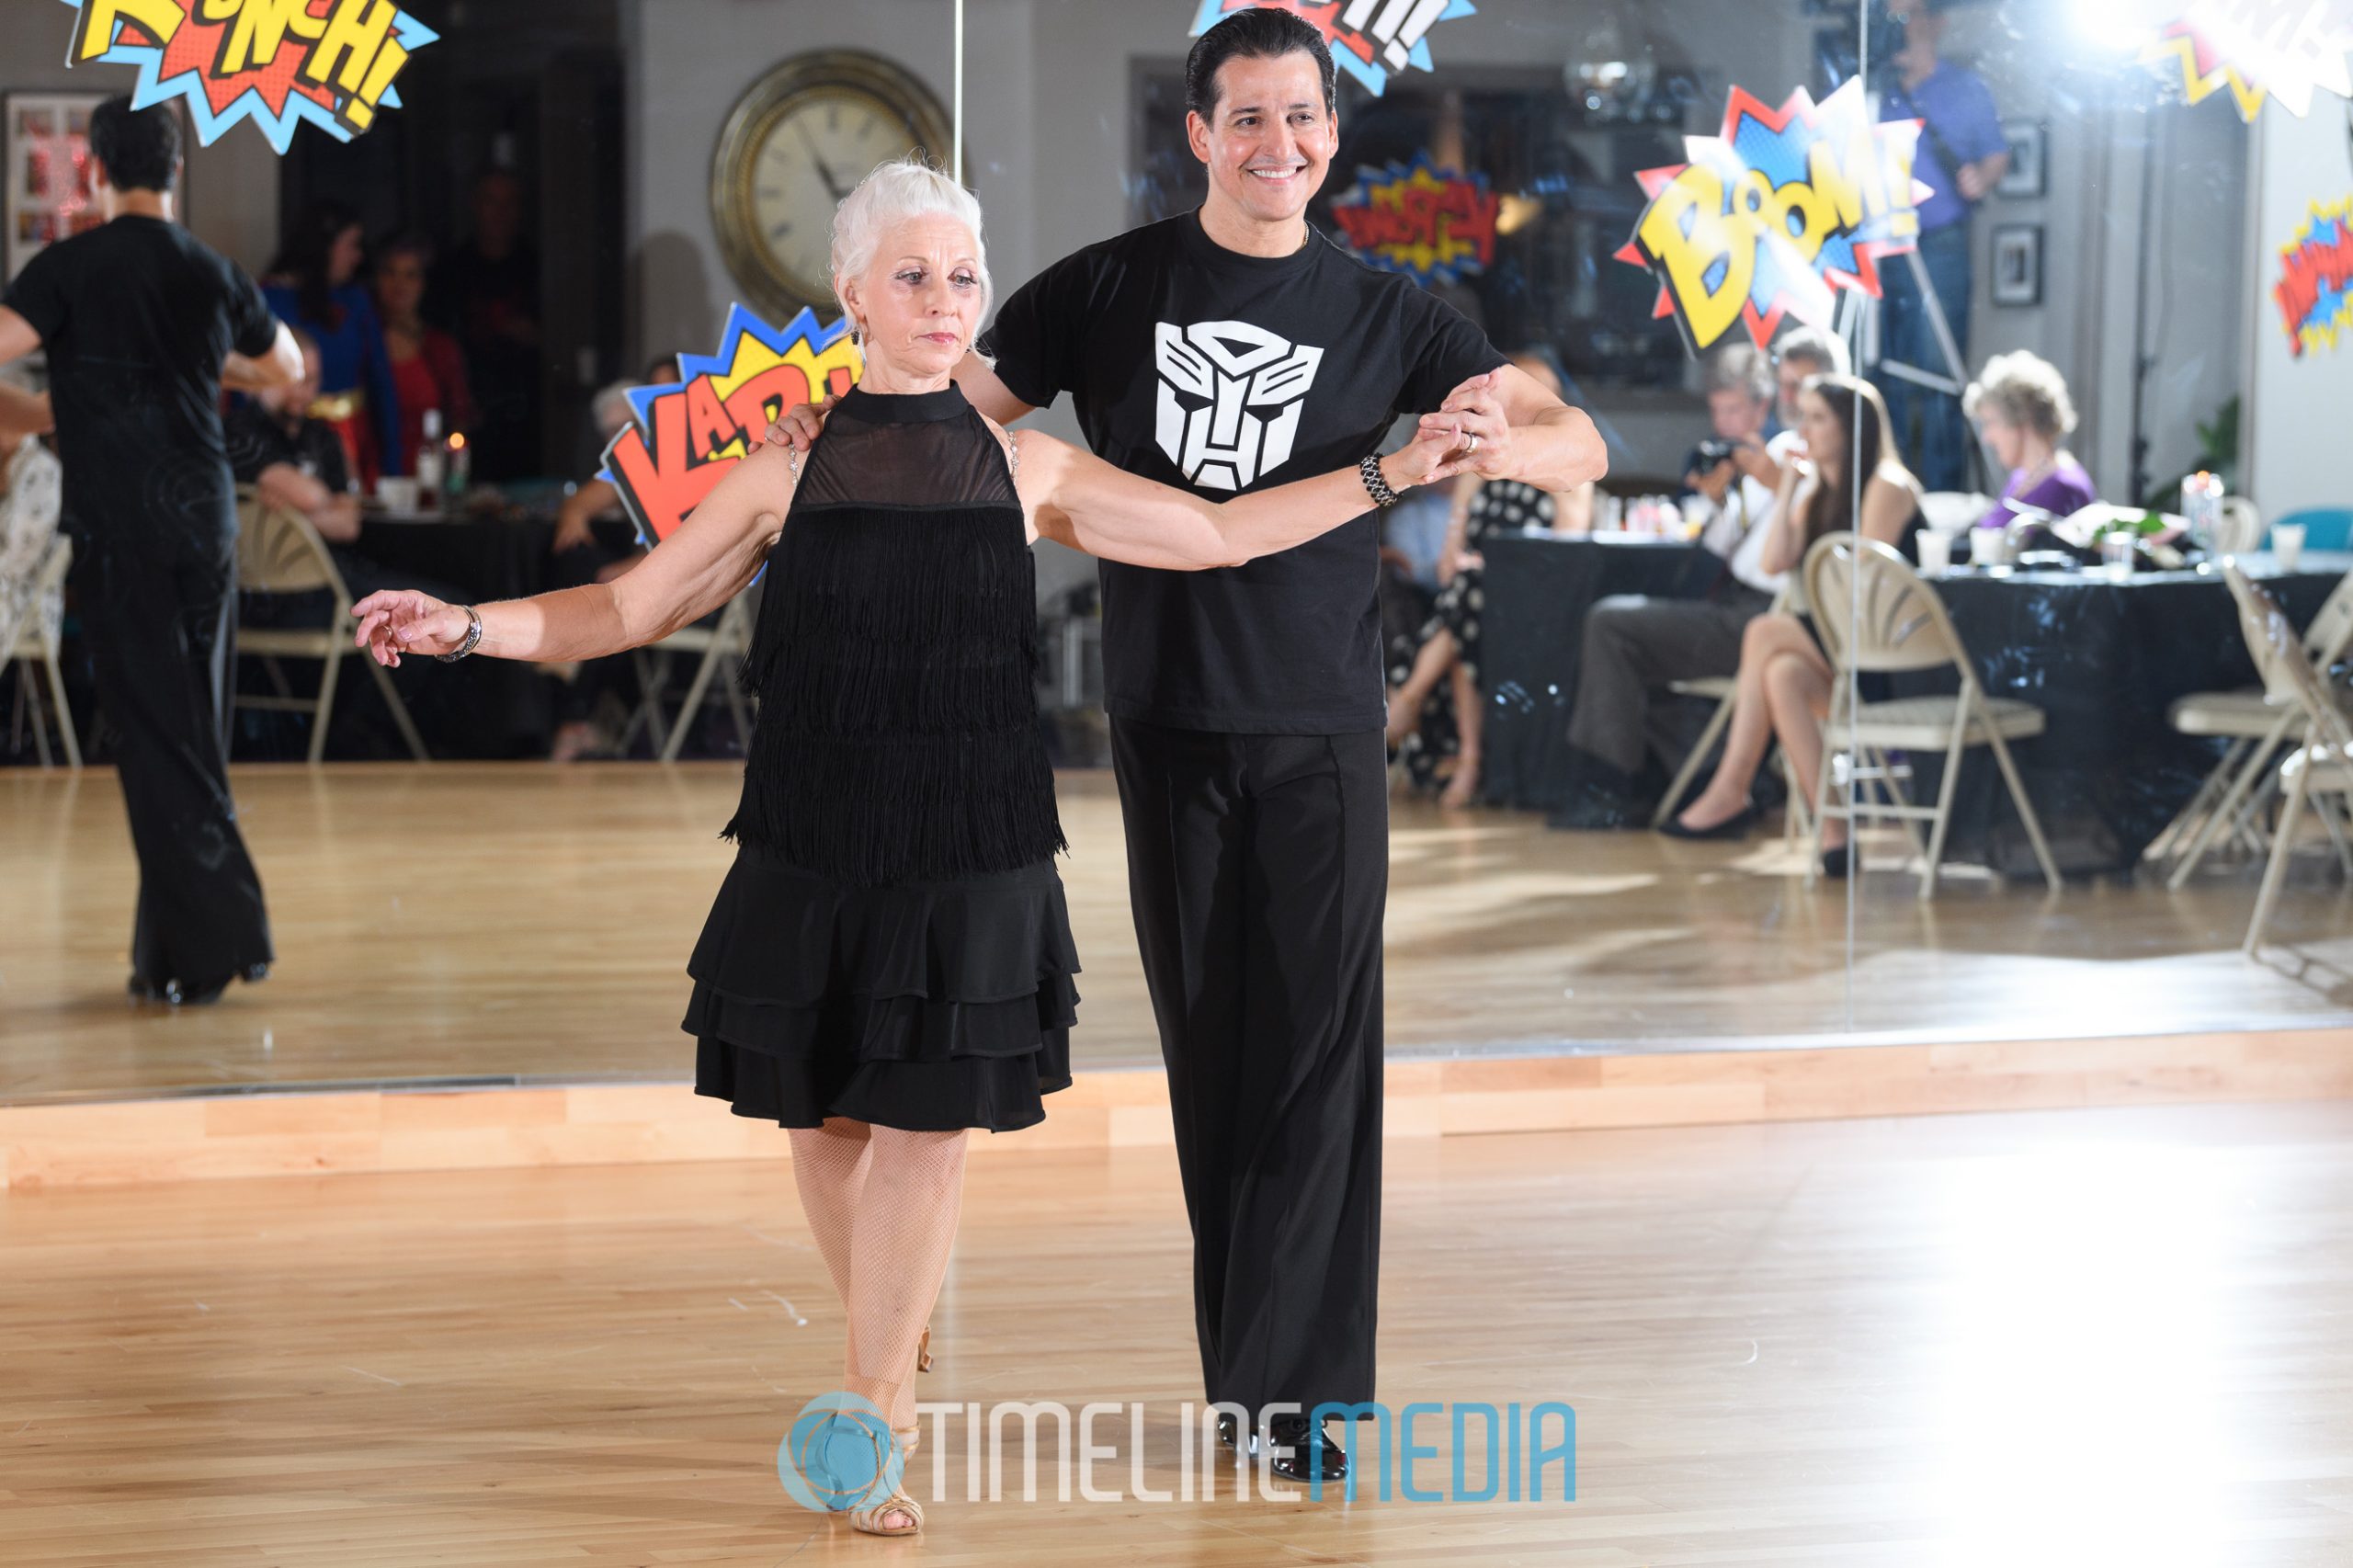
point(473, 638)
point(1376, 486)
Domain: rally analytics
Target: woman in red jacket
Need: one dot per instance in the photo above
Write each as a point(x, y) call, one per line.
point(428, 368)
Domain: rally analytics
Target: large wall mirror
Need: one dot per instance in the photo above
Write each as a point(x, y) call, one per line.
point(1895, 683)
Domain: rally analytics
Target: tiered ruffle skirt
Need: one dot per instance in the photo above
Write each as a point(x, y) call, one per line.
point(922, 1005)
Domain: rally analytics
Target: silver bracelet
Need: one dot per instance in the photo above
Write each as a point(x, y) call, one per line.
point(1376, 486)
point(473, 638)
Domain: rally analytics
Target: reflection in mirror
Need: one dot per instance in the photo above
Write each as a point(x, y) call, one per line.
point(1885, 686)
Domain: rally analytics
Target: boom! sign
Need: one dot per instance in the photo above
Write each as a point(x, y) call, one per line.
point(688, 434)
point(276, 63)
point(1775, 214)
point(1416, 219)
point(2315, 289)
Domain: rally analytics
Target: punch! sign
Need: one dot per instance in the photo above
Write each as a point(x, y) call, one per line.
point(277, 62)
point(687, 434)
point(1777, 213)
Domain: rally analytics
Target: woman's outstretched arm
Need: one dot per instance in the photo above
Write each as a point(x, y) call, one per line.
point(1075, 498)
point(712, 558)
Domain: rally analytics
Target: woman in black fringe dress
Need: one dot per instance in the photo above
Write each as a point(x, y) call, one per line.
point(888, 963)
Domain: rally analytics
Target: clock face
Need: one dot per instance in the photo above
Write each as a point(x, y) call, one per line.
point(809, 156)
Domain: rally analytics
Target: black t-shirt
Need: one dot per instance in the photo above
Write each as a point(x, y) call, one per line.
point(137, 316)
point(1203, 368)
point(257, 439)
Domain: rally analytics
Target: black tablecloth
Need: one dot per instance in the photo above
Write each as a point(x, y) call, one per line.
point(475, 708)
point(2103, 657)
point(1538, 590)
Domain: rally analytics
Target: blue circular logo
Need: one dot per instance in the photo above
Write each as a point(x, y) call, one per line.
point(838, 1455)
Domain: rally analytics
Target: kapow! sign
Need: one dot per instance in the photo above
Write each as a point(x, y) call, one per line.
point(1369, 38)
point(2315, 289)
point(1777, 214)
point(1416, 219)
point(277, 62)
point(2258, 48)
point(688, 434)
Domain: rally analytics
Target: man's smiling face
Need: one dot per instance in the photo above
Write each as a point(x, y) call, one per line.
point(1269, 138)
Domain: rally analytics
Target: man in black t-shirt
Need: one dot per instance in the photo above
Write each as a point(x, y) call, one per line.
point(1226, 350)
point(142, 325)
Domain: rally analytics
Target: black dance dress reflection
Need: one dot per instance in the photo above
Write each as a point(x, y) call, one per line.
point(891, 943)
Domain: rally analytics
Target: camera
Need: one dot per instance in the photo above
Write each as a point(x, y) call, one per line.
point(1715, 452)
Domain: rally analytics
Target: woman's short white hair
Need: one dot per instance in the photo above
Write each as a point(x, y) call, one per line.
point(2026, 391)
point(895, 192)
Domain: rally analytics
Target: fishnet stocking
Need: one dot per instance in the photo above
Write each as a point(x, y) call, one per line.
point(883, 1204)
point(829, 1166)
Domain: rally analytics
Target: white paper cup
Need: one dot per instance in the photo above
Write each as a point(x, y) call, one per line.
point(1936, 553)
point(1989, 547)
point(2287, 545)
point(397, 492)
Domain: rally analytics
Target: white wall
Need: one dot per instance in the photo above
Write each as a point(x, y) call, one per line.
point(2300, 406)
point(231, 186)
point(2104, 117)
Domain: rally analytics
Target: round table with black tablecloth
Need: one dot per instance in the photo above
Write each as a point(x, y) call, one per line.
point(1538, 587)
point(481, 708)
point(2104, 658)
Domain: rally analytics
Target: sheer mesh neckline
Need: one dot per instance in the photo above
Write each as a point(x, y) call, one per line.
point(902, 408)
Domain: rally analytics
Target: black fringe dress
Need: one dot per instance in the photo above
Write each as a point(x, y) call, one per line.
point(891, 943)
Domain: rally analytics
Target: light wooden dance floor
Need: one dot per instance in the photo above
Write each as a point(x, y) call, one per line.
point(2066, 1339)
point(526, 924)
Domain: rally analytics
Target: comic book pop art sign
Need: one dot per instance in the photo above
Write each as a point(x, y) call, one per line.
point(1369, 38)
point(1777, 214)
point(277, 62)
point(1417, 218)
point(2315, 289)
point(686, 435)
point(2258, 49)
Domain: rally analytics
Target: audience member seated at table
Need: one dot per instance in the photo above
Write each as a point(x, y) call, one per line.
point(428, 368)
point(314, 284)
point(30, 499)
point(2020, 406)
point(1740, 416)
point(297, 462)
point(1784, 680)
point(1636, 645)
point(1448, 648)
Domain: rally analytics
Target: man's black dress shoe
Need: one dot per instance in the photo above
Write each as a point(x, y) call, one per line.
point(177, 993)
point(1288, 1438)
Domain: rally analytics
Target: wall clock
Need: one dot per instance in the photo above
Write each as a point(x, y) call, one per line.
point(793, 146)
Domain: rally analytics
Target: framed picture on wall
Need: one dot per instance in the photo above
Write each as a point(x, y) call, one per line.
point(2027, 174)
point(49, 196)
point(2018, 264)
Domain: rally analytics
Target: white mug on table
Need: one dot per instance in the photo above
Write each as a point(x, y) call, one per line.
point(1936, 553)
point(2287, 545)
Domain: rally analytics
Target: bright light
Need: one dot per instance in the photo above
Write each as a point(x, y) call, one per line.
point(2121, 26)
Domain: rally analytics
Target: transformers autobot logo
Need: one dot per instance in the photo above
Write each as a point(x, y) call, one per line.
point(1229, 396)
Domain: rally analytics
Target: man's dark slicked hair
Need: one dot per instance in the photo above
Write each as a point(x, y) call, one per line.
point(141, 148)
point(1262, 32)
